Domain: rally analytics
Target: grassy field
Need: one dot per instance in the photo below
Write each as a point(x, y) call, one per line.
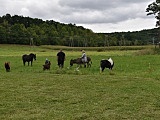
point(130, 91)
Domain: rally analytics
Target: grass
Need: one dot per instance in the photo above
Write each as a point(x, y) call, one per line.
point(130, 91)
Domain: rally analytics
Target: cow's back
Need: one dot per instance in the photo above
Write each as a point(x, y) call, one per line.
point(105, 63)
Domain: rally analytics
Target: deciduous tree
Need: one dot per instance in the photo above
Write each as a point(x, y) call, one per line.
point(154, 9)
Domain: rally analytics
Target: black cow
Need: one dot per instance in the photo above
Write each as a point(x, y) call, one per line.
point(106, 64)
point(7, 66)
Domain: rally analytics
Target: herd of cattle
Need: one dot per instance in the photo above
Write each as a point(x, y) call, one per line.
point(104, 63)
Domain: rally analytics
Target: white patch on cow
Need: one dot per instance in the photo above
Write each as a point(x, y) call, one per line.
point(111, 61)
point(100, 69)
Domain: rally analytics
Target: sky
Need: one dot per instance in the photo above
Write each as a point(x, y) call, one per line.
point(101, 16)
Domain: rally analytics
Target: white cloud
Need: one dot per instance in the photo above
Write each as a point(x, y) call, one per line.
point(98, 15)
point(124, 26)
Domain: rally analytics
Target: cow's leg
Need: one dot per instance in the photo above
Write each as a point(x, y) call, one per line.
point(28, 63)
point(100, 69)
point(103, 69)
point(31, 63)
point(24, 63)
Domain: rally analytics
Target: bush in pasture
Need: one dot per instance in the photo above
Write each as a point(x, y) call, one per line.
point(100, 50)
point(157, 51)
point(145, 52)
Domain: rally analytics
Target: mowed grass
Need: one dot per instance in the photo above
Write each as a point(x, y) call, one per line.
point(130, 91)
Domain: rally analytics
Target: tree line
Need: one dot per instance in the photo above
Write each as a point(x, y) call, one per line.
point(33, 31)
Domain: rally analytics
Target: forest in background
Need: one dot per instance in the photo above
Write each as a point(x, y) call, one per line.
point(33, 31)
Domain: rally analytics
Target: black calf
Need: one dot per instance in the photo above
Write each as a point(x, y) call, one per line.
point(7, 66)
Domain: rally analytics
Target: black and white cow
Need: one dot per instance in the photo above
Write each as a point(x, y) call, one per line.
point(106, 64)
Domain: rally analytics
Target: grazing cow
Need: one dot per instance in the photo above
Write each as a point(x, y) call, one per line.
point(47, 66)
point(7, 66)
point(106, 64)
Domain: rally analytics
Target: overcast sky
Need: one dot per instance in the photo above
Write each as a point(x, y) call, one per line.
point(97, 15)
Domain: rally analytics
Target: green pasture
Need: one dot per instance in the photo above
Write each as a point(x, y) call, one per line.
point(130, 91)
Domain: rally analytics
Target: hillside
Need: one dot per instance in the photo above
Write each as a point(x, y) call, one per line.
point(25, 30)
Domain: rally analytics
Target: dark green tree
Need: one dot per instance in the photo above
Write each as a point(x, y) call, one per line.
point(18, 34)
point(154, 9)
point(3, 35)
